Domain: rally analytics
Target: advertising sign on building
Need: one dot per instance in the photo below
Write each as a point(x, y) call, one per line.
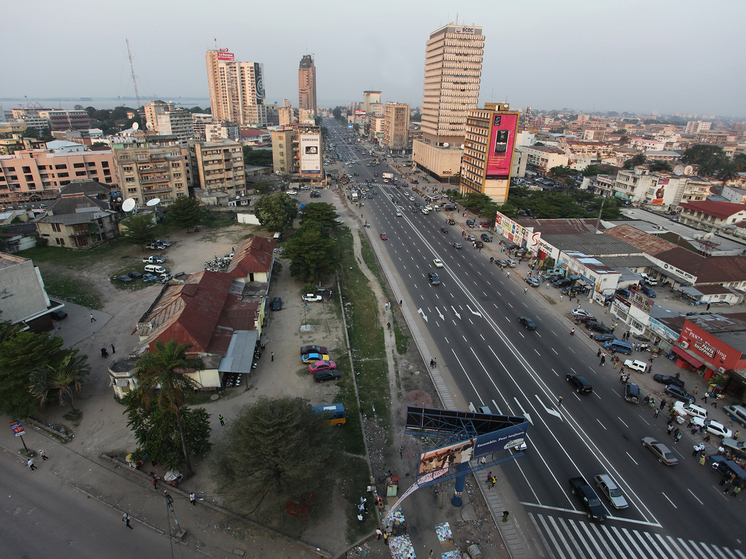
point(310, 154)
point(259, 82)
point(502, 142)
point(223, 54)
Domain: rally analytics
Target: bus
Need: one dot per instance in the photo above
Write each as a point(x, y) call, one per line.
point(333, 414)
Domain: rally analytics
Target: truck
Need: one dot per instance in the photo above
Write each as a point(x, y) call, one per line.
point(387, 175)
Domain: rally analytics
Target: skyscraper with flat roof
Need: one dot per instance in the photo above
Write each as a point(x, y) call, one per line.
point(236, 89)
point(307, 84)
point(453, 73)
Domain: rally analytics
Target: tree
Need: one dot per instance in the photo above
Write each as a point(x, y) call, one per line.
point(337, 112)
point(658, 166)
point(263, 187)
point(274, 450)
point(156, 431)
point(20, 354)
point(312, 253)
point(161, 377)
point(275, 212)
point(728, 171)
point(185, 212)
point(259, 157)
point(61, 381)
point(140, 229)
point(635, 160)
point(319, 213)
point(590, 171)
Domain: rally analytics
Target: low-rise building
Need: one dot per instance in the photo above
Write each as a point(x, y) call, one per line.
point(217, 167)
point(24, 300)
point(713, 216)
point(544, 158)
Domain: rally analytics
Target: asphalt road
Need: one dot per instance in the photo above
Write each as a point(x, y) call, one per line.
point(473, 318)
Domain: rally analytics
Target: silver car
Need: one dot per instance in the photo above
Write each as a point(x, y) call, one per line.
point(609, 488)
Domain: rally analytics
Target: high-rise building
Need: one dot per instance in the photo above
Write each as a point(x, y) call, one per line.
point(488, 151)
point(453, 73)
point(236, 89)
point(396, 126)
point(166, 119)
point(298, 151)
point(307, 84)
point(370, 97)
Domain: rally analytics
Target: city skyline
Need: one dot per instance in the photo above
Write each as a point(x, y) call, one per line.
point(584, 56)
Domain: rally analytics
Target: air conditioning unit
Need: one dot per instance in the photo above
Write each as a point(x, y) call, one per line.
point(721, 370)
point(684, 345)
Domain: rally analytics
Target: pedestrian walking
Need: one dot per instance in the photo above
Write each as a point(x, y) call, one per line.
point(192, 499)
point(30, 464)
point(559, 400)
point(655, 414)
point(736, 435)
point(43, 455)
point(616, 362)
point(702, 459)
point(598, 353)
point(736, 490)
point(493, 481)
point(489, 476)
point(506, 514)
point(126, 520)
point(645, 400)
point(714, 403)
point(92, 319)
point(113, 349)
point(508, 275)
point(697, 449)
point(222, 421)
point(663, 404)
point(378, 534)
point(386, 538)
point(704, 398)
point(525, 290)
point(695, 391)
point(104, 353)
point(272, 356)
point(669, 429)
point(435, 361)
point(560, 297)
point(603, 359)
point(155, 482)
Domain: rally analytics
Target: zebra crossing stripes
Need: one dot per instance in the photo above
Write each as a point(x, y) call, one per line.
point(569, 538)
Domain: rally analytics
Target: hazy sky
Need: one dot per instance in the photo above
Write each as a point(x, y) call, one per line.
point(677, 56)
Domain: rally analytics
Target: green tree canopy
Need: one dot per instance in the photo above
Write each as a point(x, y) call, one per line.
point(185, 212)
point(312, 252)
point(61, 381)
point(274, 450)
point(320, 213)
point(549, 205)
point(258, 157)
point(157, 433)
point(635, 160)
point(162, 381)
point(140, 229)
point(263, 187)
point(275, 212)
point(337, 112)
point(658, 166)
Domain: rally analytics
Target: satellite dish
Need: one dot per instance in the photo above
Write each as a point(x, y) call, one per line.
point(446, 144)
point(688, 170)
point(153, 202)
point(708, 237)
point(135, 126)
point(678, 170)
point(128, 205)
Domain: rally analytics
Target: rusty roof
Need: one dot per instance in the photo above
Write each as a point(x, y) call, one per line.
point(720, 210)
point(253, 256)
point(565, 226)
point(649, 244)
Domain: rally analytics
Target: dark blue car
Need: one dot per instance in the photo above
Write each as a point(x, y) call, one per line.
point(647, 291)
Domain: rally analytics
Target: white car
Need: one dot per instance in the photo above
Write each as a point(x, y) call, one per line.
point(312, 297)
point(612, 492)
point(438, 263)
point(580, 312)
point(713, 427)
point(635, 365)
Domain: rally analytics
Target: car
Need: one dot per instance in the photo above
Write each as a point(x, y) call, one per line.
point(579, 383)
point(163, 278)
point(451, 221)
point(528, 324)
point(384, 237)
point(635, 365)
point(647, 291)
point(415, 182)
point(313, 357)
point(679, 393)
point(149, 277)
point(153, 246)
point(478, 244)
point(580, 312)
point(135, 275)
point(647, 279)
point(485, 237)
point(604, 337)
point(444, 229)
point(370, 195)
point(668, 379)
point(58, 314)
point(713, 427)
point(276, 304)
point(411, 198)
point(661, 451)
point(438, 262)
point(457, 246)
point(533, 282)
point(470, 223)
point(471, 238)
point(433, 278)
point(501, 263)
point(125, 279)
point(736, 447)
point(312, 298)
point(326, 374)
point(313, 349)
point(321, 366)
point(162, 242)
point(597, 327)
point(561, 283)
point(591, 502)
point(611, 490)
point(153, 260)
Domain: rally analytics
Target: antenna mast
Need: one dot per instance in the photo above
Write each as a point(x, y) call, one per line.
point(132, 69)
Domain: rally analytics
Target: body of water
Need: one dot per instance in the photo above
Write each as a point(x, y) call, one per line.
point(100, 102)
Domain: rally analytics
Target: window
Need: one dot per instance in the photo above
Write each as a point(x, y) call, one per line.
point(63, 166)
point(80, 173)
point(107, 172)
point(104, 164)
point(27, 169)
point(60, 242)
point(31, 186)
point(56, 227)
point(78, 165)
point(63, 175)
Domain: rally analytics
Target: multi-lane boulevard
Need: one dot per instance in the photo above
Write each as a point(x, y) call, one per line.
point(484, 352)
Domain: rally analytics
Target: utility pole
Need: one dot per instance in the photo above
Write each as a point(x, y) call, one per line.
point(132, 69)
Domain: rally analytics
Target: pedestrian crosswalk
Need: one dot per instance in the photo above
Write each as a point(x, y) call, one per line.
point(570, 538)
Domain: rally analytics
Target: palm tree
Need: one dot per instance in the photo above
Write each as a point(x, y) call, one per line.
point(63, 380)
point(161, 379)
point(728, 171)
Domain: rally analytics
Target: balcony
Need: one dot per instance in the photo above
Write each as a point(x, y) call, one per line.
point(156, 178)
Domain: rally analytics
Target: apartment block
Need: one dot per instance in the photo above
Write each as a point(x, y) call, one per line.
point(218, 167)
point(288, 115)
point(37, 175)
point(199, 122)
point(219, 131)
point(151, 167)
point(652, 188)
point(544, 157)
point(396, 126)
point(236, 89)
point(307, 84)
point(298, 152)
point(283, 161)
point(166, 119)
point(60, 119)
point(453, 73)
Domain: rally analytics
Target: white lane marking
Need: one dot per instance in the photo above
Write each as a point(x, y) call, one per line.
point(439, 313)
point(622, 422)
point(456, 313)
point(669, 500)
point(630, 457)
point(601, 424)
point(474, 312)
point(693, 495)
point(422, 313)
point(550, 411)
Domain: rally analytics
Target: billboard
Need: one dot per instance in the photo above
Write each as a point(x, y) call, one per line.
point(259, 82)
point(502, 143)
point(223, 54)
point(310, 154)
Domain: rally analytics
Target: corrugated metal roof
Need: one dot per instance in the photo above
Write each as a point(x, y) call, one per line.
point(649, 244)
point(720, 210)
point(561, 226)
point(253, 256)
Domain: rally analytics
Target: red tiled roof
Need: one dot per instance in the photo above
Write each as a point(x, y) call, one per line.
point(252, 257)
point(252, 133)
point(720, 210)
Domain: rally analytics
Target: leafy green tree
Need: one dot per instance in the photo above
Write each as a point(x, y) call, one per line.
point(274, 450)
point(337, 112)
point(740, 161)
point(590, 171)
point(258, 157)
point(156, 431)
point(635, 160)
point(140, 229)
point(320, 213)
point(658, 166)
point(728, 171)
point(162, 380)
point(312, 252)
point(20, 354)
point(275, 212)
point(61, 381)
point(263, 187)
point(185, 212)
